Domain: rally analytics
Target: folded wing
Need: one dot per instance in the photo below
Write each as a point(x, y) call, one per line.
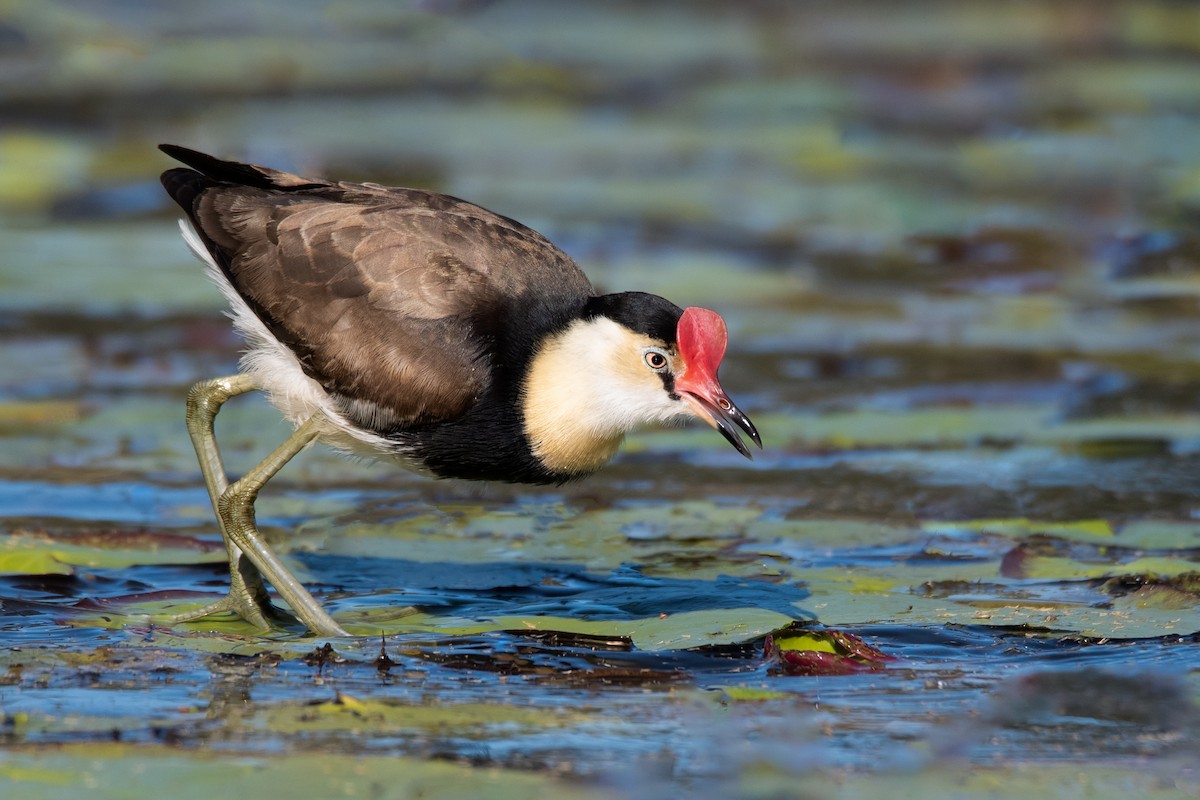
point(385, 295)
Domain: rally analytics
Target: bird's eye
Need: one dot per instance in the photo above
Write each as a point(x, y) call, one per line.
point(656, 360)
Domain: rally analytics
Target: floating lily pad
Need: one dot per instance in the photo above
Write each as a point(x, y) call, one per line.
point(113, 770)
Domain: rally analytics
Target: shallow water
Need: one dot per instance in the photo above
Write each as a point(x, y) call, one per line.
point(955, 245)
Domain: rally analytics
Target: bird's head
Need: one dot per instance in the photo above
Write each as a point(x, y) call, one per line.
point(632, 359)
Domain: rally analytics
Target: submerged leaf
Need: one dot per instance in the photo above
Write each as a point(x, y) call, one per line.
point(384, 716)
point(753, 694)
point(1177, 592)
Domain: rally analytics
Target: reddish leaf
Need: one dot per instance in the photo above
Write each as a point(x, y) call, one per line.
point(822, 652)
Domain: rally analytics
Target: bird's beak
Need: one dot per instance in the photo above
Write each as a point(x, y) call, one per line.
point(702, 338)
point(711, 404)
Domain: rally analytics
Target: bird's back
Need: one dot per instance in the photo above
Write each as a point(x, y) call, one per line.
point(410, 309)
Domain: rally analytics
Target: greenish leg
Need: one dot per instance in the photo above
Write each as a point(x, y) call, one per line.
point(237, 511)
point(247, 595)
point(249, 557)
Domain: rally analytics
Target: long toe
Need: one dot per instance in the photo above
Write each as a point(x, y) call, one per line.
point(259, 613)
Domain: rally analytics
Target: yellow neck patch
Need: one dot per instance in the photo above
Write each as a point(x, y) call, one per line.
point(572, 425)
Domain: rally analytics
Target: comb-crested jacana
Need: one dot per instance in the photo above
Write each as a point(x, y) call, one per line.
point(414, 326)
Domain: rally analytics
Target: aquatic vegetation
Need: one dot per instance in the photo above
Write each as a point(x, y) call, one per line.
point(956, 251)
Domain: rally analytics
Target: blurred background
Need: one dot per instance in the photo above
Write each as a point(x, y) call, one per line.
point(987, 209)
point(939, 180)
point(956, 241)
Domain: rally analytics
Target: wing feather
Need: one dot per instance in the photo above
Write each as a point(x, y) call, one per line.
point(389, 297)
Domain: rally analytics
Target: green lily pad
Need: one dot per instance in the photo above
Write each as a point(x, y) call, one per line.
point(116, 770)
point(669, 632)
point(380, 718)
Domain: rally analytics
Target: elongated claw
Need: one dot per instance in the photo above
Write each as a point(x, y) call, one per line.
point(230, 603)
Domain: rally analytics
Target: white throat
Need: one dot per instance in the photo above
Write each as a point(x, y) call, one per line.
point(586, 388)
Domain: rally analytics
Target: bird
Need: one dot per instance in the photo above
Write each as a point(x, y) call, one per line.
point(411, 326)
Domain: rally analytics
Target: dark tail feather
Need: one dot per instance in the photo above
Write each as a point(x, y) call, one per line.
point(215, 168)
point(234, 172)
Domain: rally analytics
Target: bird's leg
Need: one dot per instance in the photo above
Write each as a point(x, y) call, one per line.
point(247, 594)
point(236, 511)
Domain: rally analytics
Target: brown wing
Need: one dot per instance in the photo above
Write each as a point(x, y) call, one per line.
point(384, 294)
